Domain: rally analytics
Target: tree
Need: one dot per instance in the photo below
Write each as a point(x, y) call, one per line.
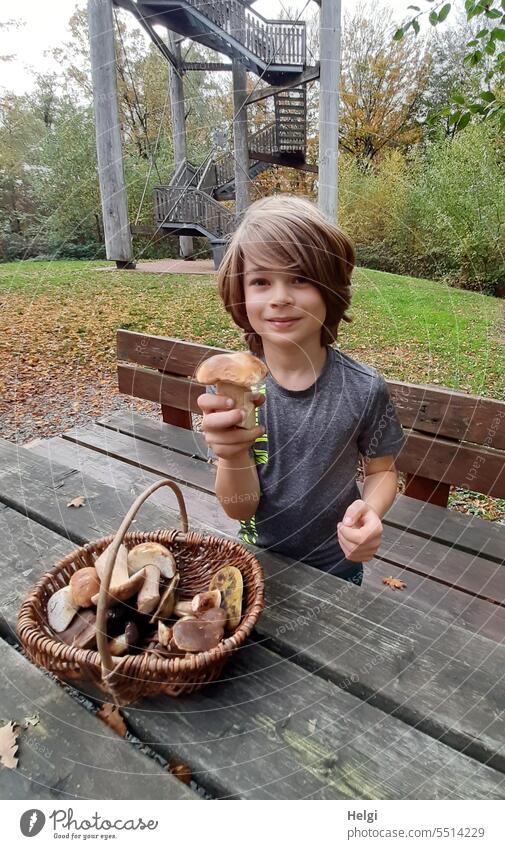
point(383, 84)
point(483, 50)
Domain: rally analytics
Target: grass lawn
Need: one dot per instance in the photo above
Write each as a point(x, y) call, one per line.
point(58, 322)
point(66, 313)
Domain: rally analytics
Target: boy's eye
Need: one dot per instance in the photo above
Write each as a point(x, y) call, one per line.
point(255, 282)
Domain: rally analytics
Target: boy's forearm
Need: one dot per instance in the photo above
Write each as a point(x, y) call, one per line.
point(379, 491)
point(237, 486)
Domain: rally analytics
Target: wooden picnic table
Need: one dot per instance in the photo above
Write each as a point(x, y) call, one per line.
point(344, 692)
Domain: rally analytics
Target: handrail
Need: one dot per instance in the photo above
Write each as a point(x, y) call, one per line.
point(273, 41)
point(192, 206)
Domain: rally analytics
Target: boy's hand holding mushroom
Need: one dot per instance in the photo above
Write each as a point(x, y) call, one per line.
point(228, 416)
point(360, 532)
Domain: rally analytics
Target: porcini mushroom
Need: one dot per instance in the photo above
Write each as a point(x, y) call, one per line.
point(84, 583)
point(61, 609)
point(205, 601)
point(234, 375)
point(183, 608)
point(195, 635)
point(120, 571)
point(151, 554)
point(215, 614)
point(149, 595)
point(124, 591)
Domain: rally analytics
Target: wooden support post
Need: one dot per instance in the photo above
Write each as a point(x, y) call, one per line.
point(118, 242)
point(240, 141)
point(178, 127)
point(329, 96)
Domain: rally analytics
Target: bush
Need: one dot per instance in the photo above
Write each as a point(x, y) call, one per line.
point(439, 214)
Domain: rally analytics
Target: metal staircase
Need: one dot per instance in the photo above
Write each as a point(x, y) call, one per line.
point(274, 50)
point(270, 48)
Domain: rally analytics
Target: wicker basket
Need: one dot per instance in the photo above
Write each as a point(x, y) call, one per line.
point(131, 677)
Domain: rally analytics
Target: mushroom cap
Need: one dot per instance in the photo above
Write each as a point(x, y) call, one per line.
point(195, 635)
point(241, 368)
point(151, 554)
point(84, 583)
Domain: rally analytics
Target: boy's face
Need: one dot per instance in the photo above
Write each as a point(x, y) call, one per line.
point(272, 294)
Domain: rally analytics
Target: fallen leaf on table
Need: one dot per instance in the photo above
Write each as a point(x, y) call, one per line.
point(78, 501)
point(9, 745)
point(111, 714)
point(394, 583)
point(181, 771)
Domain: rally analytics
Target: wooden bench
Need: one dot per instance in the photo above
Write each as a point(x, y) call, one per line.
point(452, 438)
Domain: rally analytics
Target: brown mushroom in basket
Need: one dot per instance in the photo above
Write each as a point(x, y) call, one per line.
point(120, 571)
point(196, 635)
point(149, 595)
point(84, 583)
point(61, 609)
point(151, 554)
point(184, 608)
point(234, 375)
point(229, 581)
point(205, 601)
point(123, 592)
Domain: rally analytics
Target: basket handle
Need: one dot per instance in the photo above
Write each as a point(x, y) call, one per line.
point(103, 596)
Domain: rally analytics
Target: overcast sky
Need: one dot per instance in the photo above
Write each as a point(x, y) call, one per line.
point(45, 27)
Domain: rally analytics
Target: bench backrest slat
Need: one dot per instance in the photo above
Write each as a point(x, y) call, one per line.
point(452, 438)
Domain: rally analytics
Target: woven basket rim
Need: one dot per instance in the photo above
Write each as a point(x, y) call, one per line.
point(28, 628)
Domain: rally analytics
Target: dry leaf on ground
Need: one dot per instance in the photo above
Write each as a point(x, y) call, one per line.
point(394, 583)
point(111, 714)
point(78, 501)
point(9, 745)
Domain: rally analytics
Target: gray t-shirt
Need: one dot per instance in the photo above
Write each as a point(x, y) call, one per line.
point(307, 460)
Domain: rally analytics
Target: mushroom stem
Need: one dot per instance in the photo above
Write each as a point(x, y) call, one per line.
point(149, 596)
point(242, 397)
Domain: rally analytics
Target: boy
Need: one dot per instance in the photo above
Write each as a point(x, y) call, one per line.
point(291, 481)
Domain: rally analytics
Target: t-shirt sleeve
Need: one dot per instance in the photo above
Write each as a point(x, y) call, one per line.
point(382, 433)
point(210, 454)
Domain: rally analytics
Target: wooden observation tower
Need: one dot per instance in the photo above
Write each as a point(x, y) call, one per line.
point(275, 51)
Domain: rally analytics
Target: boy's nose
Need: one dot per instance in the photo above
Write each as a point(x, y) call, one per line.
point(281, 295)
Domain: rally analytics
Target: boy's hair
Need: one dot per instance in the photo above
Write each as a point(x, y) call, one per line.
point(289, 231)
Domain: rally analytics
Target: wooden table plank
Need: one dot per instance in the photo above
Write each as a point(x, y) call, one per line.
point(448, 682)
point(28, 550)
point(190, 442)
point(69, 753)
point(270, 731)
point(441, 678)
point(298, 736)
point(474, 575)
point(439, 601)
point(460, 531)
point(130, 479)
point(145, 455)
point(451, 606)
